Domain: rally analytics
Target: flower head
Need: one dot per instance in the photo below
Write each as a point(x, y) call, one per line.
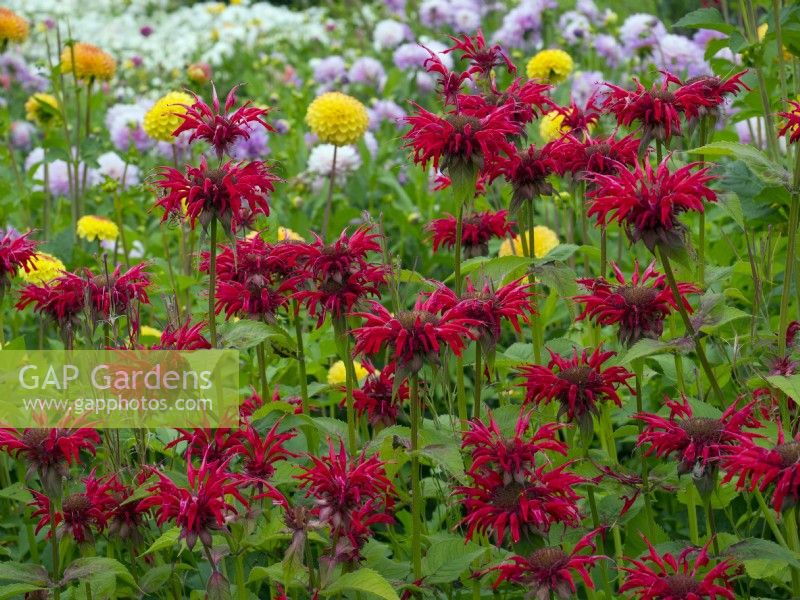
point(42, 109)
point(17, 253)
point(588, 156)
point(544, 240)
point(259, 452)
point(13, 28)
point(482, 58)
point(683, 577)
point(337, 118)
point(185, 337)
point(380, 397)
point(165, 116)
point(87, 61)
point(548, 572)
point(528, 172)
point(42, 267)
point(476, 231)
point(62, 299)
point(222, 193)
point(220, 128)
point(638, 307)
point(91, 228)
point(550, 65)
point(578, 383)
point(706, 94)
point(115, 293)
point(648, 201)
point(791, 129)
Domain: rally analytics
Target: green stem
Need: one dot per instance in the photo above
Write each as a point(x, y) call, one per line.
point(603, 251)
point(326, 217)
point(691, 511)
point(343, 342)
point(638, 369)
point(767, 512)
point(262, 371)
point(701, 240)
point(212, 282)
point(416, 493)
point(476, 413)
point(55, 551)
point(698, 345)
point(241, 587)
point(791, 250)
point(536, 322)
point(711, 526)
point(301, 356)
point(790, 523)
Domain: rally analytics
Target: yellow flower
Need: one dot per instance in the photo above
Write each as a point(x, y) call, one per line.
point(13, 28)
point(42, 109)
point(550, 65)
point(544, 240)
point(93, 228)
point(337, 118)
point(551, 126)
point(161, 120)
point(336, 374)
point(762, 33)
point(150, 332)
point(90, 62)
point(43, 268)
point(284, 233)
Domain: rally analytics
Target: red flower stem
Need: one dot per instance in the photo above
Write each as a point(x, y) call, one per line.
point(701, 354)
point(212, 282)
point(326, 216)
point(416, 493)
point(638, 369)
point(55, 551)
point(476, 414)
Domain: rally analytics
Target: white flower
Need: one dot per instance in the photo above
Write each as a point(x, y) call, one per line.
point(113, 167)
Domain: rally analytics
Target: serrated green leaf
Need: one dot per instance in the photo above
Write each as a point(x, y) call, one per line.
point(86, 568)
point(23, 573)
point(758, 548)
point(759, 163)
point(643, 348)
point(16, 590)
point(364, 580)
point(16, 491)
point(705, 18)
point(446, 560)
point(788, 385)
point(168, 539)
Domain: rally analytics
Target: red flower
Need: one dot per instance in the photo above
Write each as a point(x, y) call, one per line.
point(49, 452)
point(639, 307)
point(450, 82)
point(589, 156)
point(706, 94)
point(125, 518)
point(377, 397)
point(416, 337)
point(185, 337)
point(670, 577)
point(199, 508)
point(226, 193)
point(698, 442)
point(220, 128)
point(578, 383)
point(648, 201)
point(515, 457)
point(487, 307)
point(16, 252)
point(63, 299)
point(114, 294)
point(658, 110)
point(350, 494)
point(483, 58)
point(548, 572)
point(524, 99)
point(528, 172)
point(777, 467)
point(260, 453)
point(579, 120)
point(339, 275)
point(791, 129)
point(464, 144)
point(520, 508)
point(476, 231)
point(214, 445)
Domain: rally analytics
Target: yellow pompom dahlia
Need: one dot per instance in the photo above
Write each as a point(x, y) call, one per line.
point(336, 374)
point(13, 28)
point(552, 65)
point(93, 228)
point(42, 268)
point(337, 118)
point(42, 109)
point(544, 240)
point(161, 120)
point(90, 62)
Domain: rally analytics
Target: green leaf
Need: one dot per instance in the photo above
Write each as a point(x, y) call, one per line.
point(23, 573)
point(246, 333)
point(705, 18)
point(765, 169)
point(444, 451)
point(16, 491)
point(168, 539)
point(643, 348)
point(788, 385)
point(364, 580)
point(757, 548)
point(558, 276)
point(561, 252)
point(87, 568)
point(17, 590)
point(446, 560)
point(498, 270)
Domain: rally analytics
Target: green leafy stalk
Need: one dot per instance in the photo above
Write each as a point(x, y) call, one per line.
point(416, 492)
point(212, 282)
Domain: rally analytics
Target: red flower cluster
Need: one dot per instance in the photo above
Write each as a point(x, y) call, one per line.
point(588, 156)
point(509, 492)
point(476, 231)
point(638, 307)
point(377, 397)
point(791, 129)
point(648, 201)
point(578, 383)
point(16, 252)
point(670, 577)
point(185, 337)
point(528, 172)
point(482, 58)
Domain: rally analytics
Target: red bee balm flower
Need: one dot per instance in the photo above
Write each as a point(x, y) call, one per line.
point(220, 193)
point(377, 397)
point(639, 307)
point(777, 467)
point(62, 299)
point(578, 383)
point(482, 58)
point(16, 252)
point(528, 172)
point(520, 508)
point(416, 336)
point(260, 453)
point(220, 128)
point(199, 508)
point(185, 337)
point(590, 156)
point(791, 129)
point(476, 231)
point(699, 442)
point(548, 572)
point(648, 201)
point(670, 577)
point(113, 294)
point(705, 94)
